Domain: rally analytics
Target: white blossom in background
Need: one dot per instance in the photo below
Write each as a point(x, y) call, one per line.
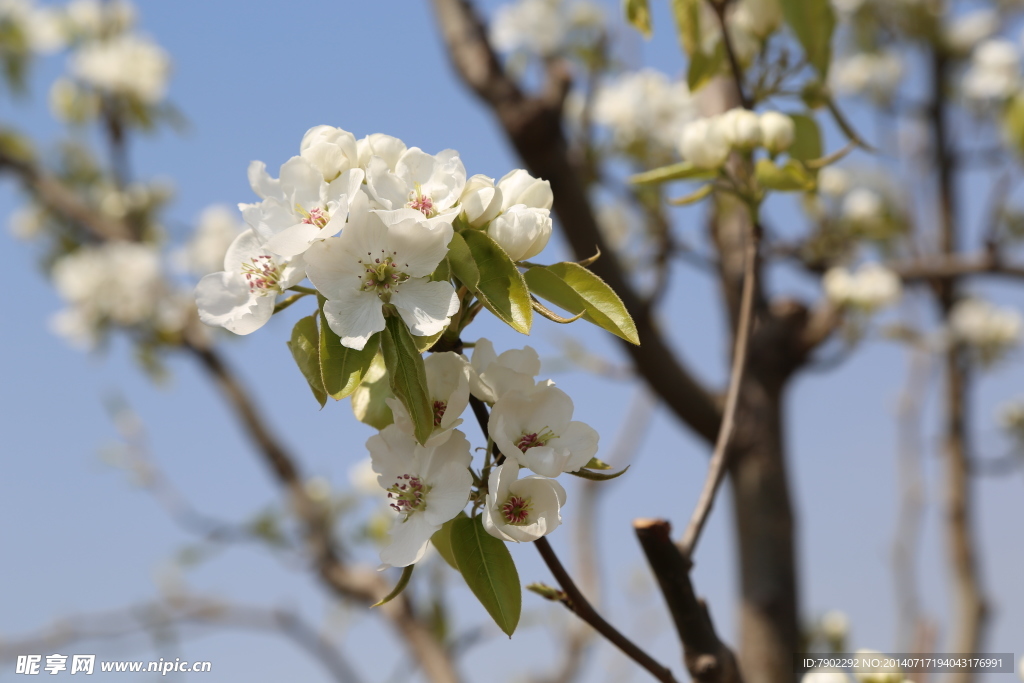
point(124, 65)
point(988, 328)
point(217, 228)
point(89, 19)
point(115, 282)
point(993, 74)
point(541, 27)
point(759, 18)
point(448, 392)
point(523, 227)
point(492, 375)
point(863, 207)
point(874, 74)
point(26, 223)
point(777, 131)
point(869, 288)
point(373, 263)
point(429, 185)
point(521, 510)
point(824, 676)
point(961, 33)
point(534, 427)
point(1011, 418)
point(835, 625)
point(426, 485)
point(876, 676)
point(833, 181)
point(644, 107)
point(241, 298)
point(72, 102)
point(703, 144)
point(41, 27)
point(741, 129)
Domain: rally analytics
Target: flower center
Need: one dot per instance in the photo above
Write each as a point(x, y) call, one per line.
point(516, 510)
point(527, 441)
point(408, 495)
point(381, 275)
point(318, 217)
point(421, 202)
point(439, 408)
point(262, 275)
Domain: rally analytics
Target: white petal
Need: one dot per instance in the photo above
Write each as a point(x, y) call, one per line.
point(355, 316)
point(408, 541)
point(224, 300)
point(418, 249)
point(331, 268)
point(580, 439)
point(384, 186)
point(392, 454)
point(294, 240)
point(261, 182)
point(425, 306)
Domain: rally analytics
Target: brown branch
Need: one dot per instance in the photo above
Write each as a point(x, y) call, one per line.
point(719, 7)
point(533, 125)
point(707, 659)
point(949, 267)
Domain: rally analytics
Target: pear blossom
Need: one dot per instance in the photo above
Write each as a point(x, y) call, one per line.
point(534, 26)
point(427, 486)
point(741, 128)
point(522, 231)
point(493, 375)
point(869, 288)
point(994, 72)
point(1011, 418)
point(521, 510)
point(833, 181)
point(777, 131)
point(824, 676)
point(704, 144)
point(428, 184)
point(535, 428)
point(759, 18)
point(330, 150)
point(125, 65)
point(448, 392)
point(300, 207)
point(241, 298)
point(40, 26)
point(519, 187)
point(92, 18)
point(875, 74)
point(989, 329)
point(644, 107)
point(480, 201)
point(387, 147)
point(217, 228)
point(835, 625)
point(962, 33)
point(863, 206)
point(374, 263)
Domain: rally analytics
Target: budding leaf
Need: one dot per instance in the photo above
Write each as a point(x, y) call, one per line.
point(460, 259)
point(368, 401)
point(407, 375)
point(501, 287)
point(638, 13)
point(574, 288)
point(687, 16)
point(487, 567)
point(789, 177)
point(442, 540)
point(305, 348)
point(403, 581)
point(813, 22)
point(598, 476)
point(342, 368)
point(807, 138)
point(684, 170)
point(595, 464)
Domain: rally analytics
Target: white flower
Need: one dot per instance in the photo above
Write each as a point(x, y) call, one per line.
point(448, 388)
point(835, 625)
point(375, 262)
point(994, 72)
point(363, 479)
point(91, 18)
point(388, 148)
point(777, 131)
point(1011, 416)
point(330, 150)
point(741, 128)
point(480, 201)
point(241, 297)
point(127, 65)
point(428, 184)
point(427, 485)
point(26, 223)
point(704, 144)
point(537, 27)
point(967, 30)
point(824, 676)
point(757, 17)
point(869, 288)
point(521, 231)
point(217, 228)
point(863, 206)
point(301, 207)
point(72, 102)
point(519, 187)
point(535, 429)
point(644, 107)
point(521, 509)
point(876, 74)
point(493, 376)
point(833, 181)
point(988, 328)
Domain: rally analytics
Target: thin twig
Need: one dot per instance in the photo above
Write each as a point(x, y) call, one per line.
point(720, 6)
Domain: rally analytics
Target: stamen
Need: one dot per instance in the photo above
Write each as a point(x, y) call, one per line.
point(408, 495)
point(516, 510)
point(439, 408)
point(262, 275)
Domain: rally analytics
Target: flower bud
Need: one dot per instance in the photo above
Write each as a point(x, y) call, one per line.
point(741, 129)
point(519, 187)
point(777, 131)
point(388, 148)
point(703, 143)
point(330, 150)
point(522, 231)
point(481, 200)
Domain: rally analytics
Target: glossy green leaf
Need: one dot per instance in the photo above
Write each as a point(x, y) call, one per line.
point(684, 170)
point(574, 288)
point(424, 343)
point(442, 272)
point(407, 375)
point(487, 567)
point(460, 259)
point(305, 348)
point(501, 287)
point(704, 67)
point(342, 368)
point(442, 540)
point(368, 401)
point(790, 177)
point(599, 476)
point(807, 138)
point(403, 581)
point(813, 22)
point(638, 13)
point(687, 17)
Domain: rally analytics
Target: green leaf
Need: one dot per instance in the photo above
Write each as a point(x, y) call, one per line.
point(403, 581)
point(684, 170)
point(807, 140)
point(305, 348)
point(342, 368)
point(368, 400)
point(407, 375)
point(424, 343)
point(1013, 123)
point(460, 259)
point(790, 177)
point(596, 464)
point(442, 272)
point(813, 22)
point(694, 197)
point(442, 540)
point(704, 67)
point(501, 287)
point(687, 16)
point(598, 476)
point(487, 567)
point(638, 13)
point(575, 289)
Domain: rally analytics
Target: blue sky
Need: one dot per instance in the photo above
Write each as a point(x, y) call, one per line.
point(251, 78)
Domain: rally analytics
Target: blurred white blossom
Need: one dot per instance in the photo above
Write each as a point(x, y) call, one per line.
point(988, 328)
point(869, 288)
point(833, 181)
point(875, 74)
point(217, 228)
point(704, 144)
point(994, 72)
point(835, 625)
point(963, 32)
point(1011, 418)
point(40, 27)
point(124, 65)
point(644, 107)
point(863, 207)
point(777, 131)
point(541, 27)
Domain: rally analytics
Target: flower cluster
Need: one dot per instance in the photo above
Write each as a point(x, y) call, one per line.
point(869, 288)
point(643, 109)
point(393, 206)
point(1011, 419)
point(541, 28)
point(993, 74)
point(988, 329)
point(707, 142)
point(872, 74)
point(530, 427)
